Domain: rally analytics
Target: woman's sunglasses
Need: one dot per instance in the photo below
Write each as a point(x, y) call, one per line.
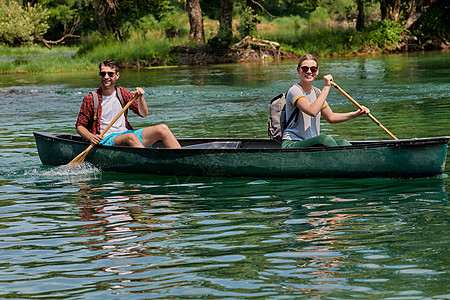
point(313, 69)
point(110, 74)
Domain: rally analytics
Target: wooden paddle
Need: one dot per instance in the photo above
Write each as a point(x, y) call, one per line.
point(361, 108)
point(81, 157)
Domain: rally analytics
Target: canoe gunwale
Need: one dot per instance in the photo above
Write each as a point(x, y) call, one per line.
point(75, 139)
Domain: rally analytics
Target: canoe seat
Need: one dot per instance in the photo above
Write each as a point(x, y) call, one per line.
point(215, 145)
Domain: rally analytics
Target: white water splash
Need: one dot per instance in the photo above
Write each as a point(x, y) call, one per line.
point(68, 173)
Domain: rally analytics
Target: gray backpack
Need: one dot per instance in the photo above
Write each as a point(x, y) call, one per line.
point(277, 121)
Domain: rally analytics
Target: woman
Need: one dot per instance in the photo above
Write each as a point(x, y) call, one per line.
point(304, 130)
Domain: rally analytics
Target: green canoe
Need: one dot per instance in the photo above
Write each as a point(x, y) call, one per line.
point(421, 157)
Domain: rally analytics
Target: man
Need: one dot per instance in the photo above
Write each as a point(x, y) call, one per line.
point(92, 121)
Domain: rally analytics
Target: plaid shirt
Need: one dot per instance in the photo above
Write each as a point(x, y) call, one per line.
point(86, 114)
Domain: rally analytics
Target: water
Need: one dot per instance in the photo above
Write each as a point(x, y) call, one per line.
point(97, 235)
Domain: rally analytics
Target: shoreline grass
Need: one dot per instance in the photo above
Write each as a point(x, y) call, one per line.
point(6, 51)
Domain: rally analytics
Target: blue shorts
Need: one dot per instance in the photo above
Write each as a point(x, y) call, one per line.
point(109, 139)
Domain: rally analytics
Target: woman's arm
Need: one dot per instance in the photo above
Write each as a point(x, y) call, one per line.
point(332, 117)
point(315, 107)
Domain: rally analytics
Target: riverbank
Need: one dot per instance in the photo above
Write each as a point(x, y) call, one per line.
point(253, 49)
point(158, 51)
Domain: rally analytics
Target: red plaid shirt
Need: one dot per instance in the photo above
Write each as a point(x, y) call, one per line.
point(86, 114)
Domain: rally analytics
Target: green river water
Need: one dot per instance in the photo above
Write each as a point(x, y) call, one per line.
point(101, 235)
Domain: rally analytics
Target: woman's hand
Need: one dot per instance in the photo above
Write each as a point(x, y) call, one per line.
point(359, 112)
point(328, 79)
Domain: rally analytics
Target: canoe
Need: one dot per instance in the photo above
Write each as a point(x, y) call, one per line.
point(420, 157)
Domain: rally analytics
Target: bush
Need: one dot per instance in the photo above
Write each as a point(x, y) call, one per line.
point(317, 40)
point(173, 25)
point(20, 25)
point(320, 15)
point(248, 23)
point(383, 34)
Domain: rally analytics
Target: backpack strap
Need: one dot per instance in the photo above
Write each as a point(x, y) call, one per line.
point(95, 97)
point(119, 95)
point(294, 114)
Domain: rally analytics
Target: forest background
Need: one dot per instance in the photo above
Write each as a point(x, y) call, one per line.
point(143, 33)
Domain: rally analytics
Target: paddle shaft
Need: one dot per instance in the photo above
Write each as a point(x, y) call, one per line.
point(362, 108)
point(80, 157)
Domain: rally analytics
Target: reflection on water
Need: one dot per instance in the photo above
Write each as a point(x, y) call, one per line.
point(84, 233)
point(189, 237)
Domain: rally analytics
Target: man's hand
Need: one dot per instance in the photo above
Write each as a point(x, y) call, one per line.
point(95, 139)
point(139, 91)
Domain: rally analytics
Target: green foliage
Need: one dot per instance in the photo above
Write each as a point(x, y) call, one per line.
point(292, 22)
point(143, 51)
point(283, 8)
point(142, 47)
point(173, 25)
point(63, 14)
point(318, 40)
point(34, 49)
point(21, 25)
point(435, 22)
point(339, 9)
point(382, 34)
point(47, 64)
point(137, 8)
point(320, 15)
point(89, 42)
point(249, 19)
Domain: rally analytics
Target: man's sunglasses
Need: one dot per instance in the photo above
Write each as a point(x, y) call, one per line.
point(313, 69)
point(110, 74)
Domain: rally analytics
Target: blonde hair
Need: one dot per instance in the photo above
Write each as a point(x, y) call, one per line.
point(307, 57)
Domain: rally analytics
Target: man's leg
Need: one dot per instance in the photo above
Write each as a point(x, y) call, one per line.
point(159, 132)
point(128, 139)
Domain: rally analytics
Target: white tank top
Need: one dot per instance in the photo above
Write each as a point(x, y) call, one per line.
point(110, 109)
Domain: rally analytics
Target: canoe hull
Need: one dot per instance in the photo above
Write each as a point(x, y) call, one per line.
point(258, 158)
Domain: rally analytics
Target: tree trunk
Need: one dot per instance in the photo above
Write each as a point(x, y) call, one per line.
point(225, 34)
point(196, 33)
point(390, 9)
point(416, 9)
point(106, 14)
point(361, 15)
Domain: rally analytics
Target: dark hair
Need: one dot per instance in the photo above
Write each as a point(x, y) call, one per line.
point(109, 63)
point(307, 57)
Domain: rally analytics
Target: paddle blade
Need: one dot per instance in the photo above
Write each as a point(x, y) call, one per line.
point(82, 156)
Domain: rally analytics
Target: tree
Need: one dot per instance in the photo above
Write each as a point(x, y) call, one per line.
point(66, 15)
point(106, 14)
point(21, 25)
point(225, 33)
point(111, 15)
point(361, 15)
point(196, 33)
point(416, 10)
point(250, 17)
point(407, 11)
